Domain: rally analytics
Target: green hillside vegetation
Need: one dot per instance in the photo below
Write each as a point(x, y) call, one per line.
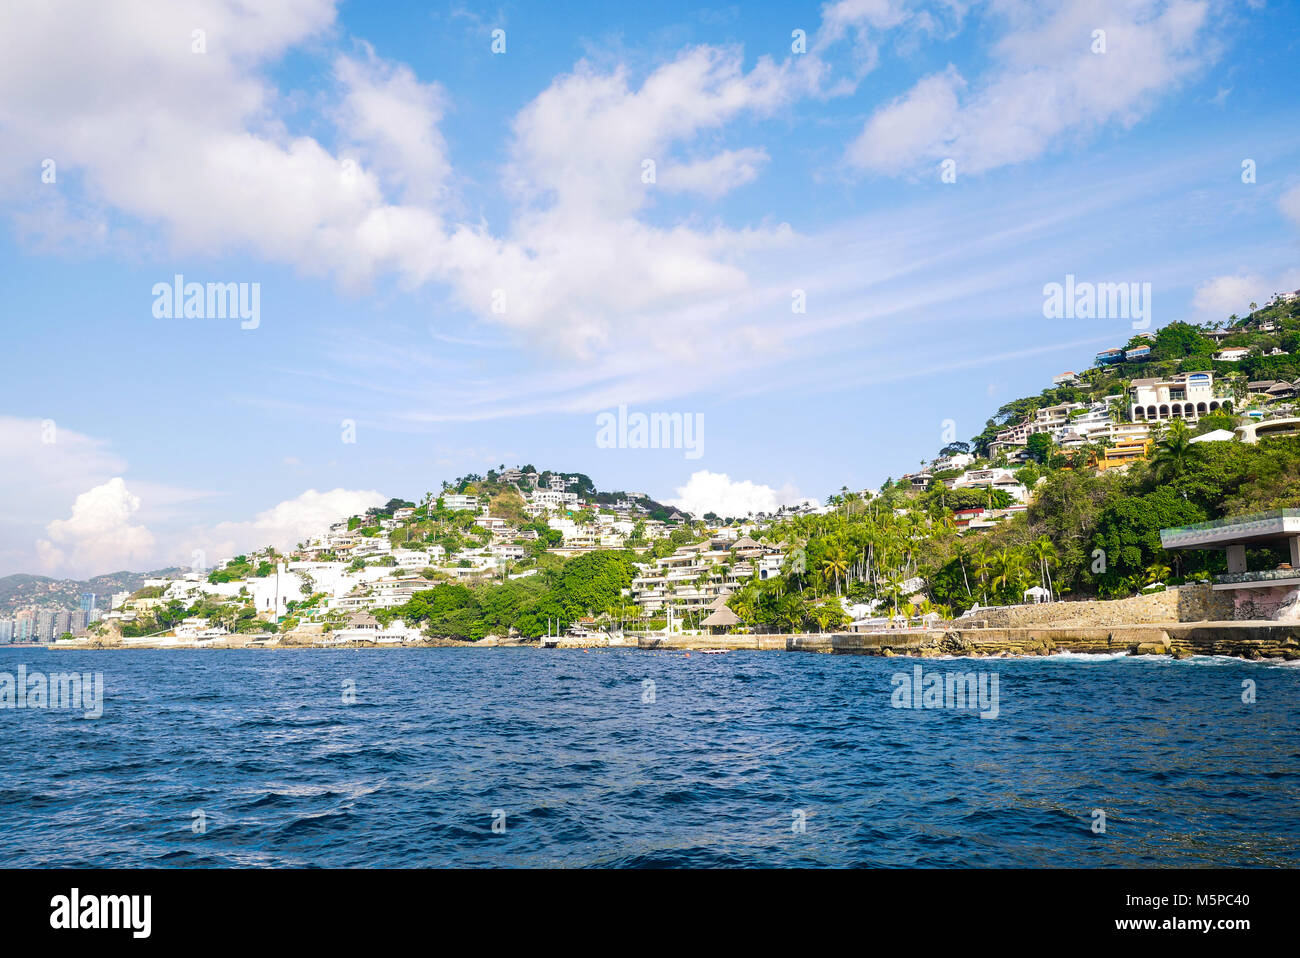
point(587, 586)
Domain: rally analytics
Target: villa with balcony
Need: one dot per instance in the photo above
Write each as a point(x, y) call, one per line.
point(693, 577)
point(1187, 396)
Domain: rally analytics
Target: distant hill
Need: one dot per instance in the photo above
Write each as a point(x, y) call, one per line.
point(21, 590)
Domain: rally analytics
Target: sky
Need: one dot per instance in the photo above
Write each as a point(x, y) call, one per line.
point(821, 231)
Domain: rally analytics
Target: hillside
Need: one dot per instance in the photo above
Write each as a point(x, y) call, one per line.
point(42, 592)
point(1271, 333)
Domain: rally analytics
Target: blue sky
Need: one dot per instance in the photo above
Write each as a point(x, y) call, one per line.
point(382, 174)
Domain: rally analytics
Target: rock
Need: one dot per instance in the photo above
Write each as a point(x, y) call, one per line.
point(1147, 648)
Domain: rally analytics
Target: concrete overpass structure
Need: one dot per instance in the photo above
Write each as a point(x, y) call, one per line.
point(1265, 593)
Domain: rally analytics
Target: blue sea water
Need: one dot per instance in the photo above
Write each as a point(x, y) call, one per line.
point(567, 750)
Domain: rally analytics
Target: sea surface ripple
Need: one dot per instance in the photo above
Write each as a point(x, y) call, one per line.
point(584, 767)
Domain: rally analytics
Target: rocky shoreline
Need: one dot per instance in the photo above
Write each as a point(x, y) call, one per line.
point(1244, 640)
point(1192, 620)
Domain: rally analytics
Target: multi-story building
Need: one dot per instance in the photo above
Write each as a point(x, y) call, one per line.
point(694, 576)
point(551, 499)
point(458, 502)
point(958, 460)
point(1187, 396)
point(1123, 453)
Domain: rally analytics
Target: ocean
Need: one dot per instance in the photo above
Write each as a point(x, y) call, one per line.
point(623, 758)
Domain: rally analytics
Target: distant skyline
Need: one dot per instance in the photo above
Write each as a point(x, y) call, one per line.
point(819, 248)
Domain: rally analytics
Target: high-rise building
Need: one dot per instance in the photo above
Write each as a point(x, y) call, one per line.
point(77, 622)
point(87, 602)
point(44, 626)
point(23, 627)
point(6, 631)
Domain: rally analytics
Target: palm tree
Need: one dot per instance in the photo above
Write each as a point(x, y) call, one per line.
point(982, 566)
point(1044, 551)
point(1010, 568)
point(1174, 451)
point(834, 566)
point(894, 588)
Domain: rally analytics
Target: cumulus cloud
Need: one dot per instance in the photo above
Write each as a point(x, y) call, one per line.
point(1222, 296)
point(1048, 86)
point(905, 129)
point(99, 536)
point(718, 493)
point(149, 132)
point(284, 525)
point(192, 142)
point(716, 175)
point(393, 118)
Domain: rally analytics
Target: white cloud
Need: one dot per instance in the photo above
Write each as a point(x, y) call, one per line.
point(716, 175)
point(99, 536)
point(393, 119)
point(718, 493)
point(57, 463)
point(905, 129)
point(284, 525)
point(1048, 88)
point(1222, 296)
point(145, 128)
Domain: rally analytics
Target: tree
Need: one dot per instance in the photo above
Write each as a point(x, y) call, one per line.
point(1045, 554)
point(1039, 447)
point(834, 566)
point(1010, 567)
point(1157, 572)
point(1174, 451)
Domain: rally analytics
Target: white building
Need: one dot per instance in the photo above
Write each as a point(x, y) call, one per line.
point(457, 502)
point(1001, 479)
point(958, 460)
point(1187, 396)
point(413, 558)
point(552, 499)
